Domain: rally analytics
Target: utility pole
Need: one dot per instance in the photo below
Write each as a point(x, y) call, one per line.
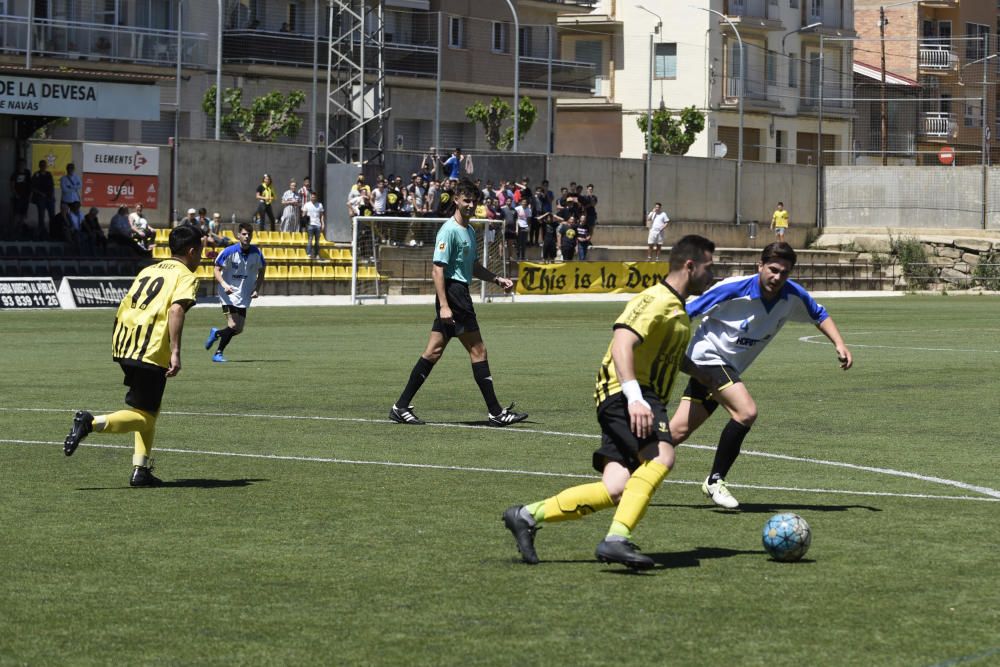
point(884, 110)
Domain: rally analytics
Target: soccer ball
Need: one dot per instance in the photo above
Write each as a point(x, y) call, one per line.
point(786, 537)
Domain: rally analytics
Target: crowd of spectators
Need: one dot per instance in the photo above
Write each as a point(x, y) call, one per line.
point(529, 217)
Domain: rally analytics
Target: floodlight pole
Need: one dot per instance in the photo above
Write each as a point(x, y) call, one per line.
point(646, 190)
point(517, 69)
point(739, 140)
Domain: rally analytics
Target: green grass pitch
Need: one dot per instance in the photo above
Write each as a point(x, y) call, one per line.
point(286, 534)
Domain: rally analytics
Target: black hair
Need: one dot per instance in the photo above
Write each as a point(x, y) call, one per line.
point(691, 247)
point(778, 250)
point(184, 237)
point(246, 226)
point(468, 188)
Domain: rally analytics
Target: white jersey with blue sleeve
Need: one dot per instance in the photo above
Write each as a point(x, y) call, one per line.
point(239, 270)
point(738, 323)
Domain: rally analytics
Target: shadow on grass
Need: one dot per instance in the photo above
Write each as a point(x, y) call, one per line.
point(670, 561)
point(257, 361)
point(187, 484)
point(769, 508)
point(486, 422)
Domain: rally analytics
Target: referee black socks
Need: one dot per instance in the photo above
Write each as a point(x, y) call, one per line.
point(481, 371)
point(420, 371)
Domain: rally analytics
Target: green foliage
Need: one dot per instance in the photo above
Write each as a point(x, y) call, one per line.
point(987, 272)
point(909, 252)
point(672, 134)
point(268, 117)
point(492, 117)
point(45, 131)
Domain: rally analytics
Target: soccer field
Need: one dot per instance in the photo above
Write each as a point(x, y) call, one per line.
point(299, 525)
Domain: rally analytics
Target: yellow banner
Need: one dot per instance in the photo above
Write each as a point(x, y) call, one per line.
point(588, 277)
point(57, 155)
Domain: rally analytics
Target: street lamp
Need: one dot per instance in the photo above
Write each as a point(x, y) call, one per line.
point(804, 28)
point(517, 67)
point(739, 155)
point(984, 147)
point(649, 110)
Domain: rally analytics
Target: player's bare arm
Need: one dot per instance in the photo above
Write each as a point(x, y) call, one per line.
point(175, 325)
point(437, 273)
point(830, 330)
point(640, 415)
point(227, 288)
point(259, 284)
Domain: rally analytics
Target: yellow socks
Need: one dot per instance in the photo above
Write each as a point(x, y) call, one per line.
point(572, 503)
point(635, 499)
point(140, 422)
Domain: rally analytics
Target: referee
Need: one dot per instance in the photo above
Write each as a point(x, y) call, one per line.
point(454, 267)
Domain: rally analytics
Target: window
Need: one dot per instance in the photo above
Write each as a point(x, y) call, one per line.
point(456, 32)
point(293, 16)
point(973, 113)
point(665, 61)
point(793, 73)
point(977, 38)
point(771, 67)
point(524, 45)
point(499, 43)
point(779, 146)
point(815, 10)
point(794, 4)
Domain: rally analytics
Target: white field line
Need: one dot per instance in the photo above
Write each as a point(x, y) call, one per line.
point(823, 341)
point(991, 493)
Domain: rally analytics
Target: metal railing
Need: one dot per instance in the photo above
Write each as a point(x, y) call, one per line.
point(78, 40)
point(938, 124)
point(937, 55)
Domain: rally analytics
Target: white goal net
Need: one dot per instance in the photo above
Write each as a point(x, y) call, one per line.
point(393, 256)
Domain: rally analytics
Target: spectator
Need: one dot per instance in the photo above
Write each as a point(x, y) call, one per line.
point(75, 220)
point(142, 233)
point(70, 185)
point(43, 193)
point(93, 236)
point(59, 227)
point(120, 231)
point(429, 164)
point(285, 28)
point(265, 195)
point(304, 193)
point(379, 195)
point(292, 204)
point(583, 238)
point(550, 225)
point(656, 221)
point(523, 223)
point(209, 229)
point(779, 221)
point(453, 165)
point(589, 203)
point(567, 238)
point(313, 212)
point(20, 190)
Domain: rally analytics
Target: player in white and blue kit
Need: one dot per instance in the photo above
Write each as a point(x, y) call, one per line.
point(741, 316)
point(239, 272)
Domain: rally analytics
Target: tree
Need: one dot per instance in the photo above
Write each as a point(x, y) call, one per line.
point(671, 134)
point(268, 117)
point(493, 116)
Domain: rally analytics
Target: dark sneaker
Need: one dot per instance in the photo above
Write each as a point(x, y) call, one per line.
point(623, 552)
point(508, 417)
point(210, 341)
point(83, 424)
point(524, 533)
point(405, 416)
point(142, 476)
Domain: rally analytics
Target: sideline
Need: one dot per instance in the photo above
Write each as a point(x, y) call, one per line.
point(986, 491)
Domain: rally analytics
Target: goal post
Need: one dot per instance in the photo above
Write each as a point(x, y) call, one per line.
point(393, 256)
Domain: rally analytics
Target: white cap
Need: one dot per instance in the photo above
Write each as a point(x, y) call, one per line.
point(191, 210)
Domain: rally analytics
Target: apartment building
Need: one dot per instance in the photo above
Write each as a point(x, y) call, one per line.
point(950, 48)
point(423, 62)
point(690, 55)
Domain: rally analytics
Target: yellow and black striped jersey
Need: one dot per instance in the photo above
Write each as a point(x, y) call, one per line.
point(141, 334)
point(658, 317)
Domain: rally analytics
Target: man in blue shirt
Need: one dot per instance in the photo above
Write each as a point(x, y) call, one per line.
point(455, 266)
point(239, 272)
point(453, 165)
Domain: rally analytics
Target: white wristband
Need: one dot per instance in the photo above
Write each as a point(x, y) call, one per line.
point(632, 391)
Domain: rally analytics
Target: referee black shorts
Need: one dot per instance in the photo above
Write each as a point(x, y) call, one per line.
point(460, 302)
point(618, 442)
point(145, 386)
point(235, 310)
point(706, 381)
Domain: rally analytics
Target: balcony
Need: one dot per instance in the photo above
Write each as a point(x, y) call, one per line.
point(754, 14)
point(938, 125)
point(76, 40)
point(567, 75)
point(937, 57)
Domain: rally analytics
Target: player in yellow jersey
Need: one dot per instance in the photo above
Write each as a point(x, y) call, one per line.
point(146, 343)
point(779, 221)
point(633, 384)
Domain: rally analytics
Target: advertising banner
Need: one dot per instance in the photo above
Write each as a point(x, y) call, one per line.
point(121, 159)
point(18, 293)
point(113, 190)
point(93, 292)
point(40, 96)
point(588, 277)
point(56, 155)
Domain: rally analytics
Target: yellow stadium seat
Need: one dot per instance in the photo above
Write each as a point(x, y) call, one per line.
point(161, 252)
point(162, 235)
point(276, 272)
point(299, 238)
point(279, 254)
point(297, 254)
point(204, 272)
point(345, 255)
point(325, 272)
point(342, 273)
point(298, 272)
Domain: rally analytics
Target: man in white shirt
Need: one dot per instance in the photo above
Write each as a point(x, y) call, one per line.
point(656, 221)
point(291, 203)
point(523, 211)
point(741, 316)
point(313, 212)
point(239, 272)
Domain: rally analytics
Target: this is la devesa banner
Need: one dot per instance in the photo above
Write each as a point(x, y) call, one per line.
point(588, 277)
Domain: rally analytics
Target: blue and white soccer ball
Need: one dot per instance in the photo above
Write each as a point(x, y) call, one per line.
point(786, 537)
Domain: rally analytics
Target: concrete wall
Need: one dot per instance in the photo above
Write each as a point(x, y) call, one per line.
point(910, 197)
